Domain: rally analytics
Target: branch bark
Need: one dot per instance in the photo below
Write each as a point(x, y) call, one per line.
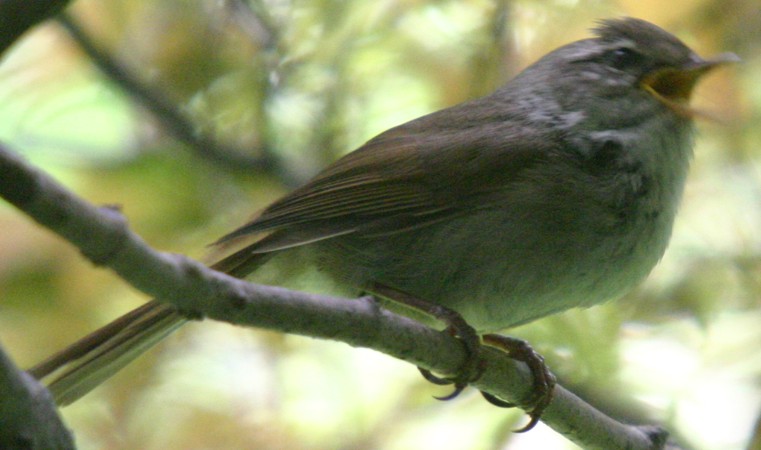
point(28, 416)
point(104, 238)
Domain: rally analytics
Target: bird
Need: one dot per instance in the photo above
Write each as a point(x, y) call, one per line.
point(558, 190)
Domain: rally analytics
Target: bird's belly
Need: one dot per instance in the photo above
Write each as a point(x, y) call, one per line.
point(514, 276)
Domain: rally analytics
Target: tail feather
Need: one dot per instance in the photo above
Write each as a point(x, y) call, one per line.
point(79, 368)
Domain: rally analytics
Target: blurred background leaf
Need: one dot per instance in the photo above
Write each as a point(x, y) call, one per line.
point(290, 86)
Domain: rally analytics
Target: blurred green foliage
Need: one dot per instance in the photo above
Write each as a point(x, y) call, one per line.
point(297, 84)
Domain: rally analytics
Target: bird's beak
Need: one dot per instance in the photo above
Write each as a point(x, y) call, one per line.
point(673, 86)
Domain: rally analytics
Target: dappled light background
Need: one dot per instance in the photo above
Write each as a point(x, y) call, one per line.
point(274, 90)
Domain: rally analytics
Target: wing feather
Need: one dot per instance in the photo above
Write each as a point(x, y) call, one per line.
point(411, 176)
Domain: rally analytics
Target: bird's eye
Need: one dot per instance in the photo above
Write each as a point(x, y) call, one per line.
point(624, 57)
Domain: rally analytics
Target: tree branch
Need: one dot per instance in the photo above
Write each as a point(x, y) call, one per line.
point(104, 238)
point(28, 416)
point(167, 114)
point(17, 16)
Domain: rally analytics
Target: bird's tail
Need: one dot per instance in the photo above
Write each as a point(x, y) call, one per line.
point(82, 366)
point(79, 368)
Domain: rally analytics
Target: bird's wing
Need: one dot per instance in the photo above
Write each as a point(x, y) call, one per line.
point(413, 175)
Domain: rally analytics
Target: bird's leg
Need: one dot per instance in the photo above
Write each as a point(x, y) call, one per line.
point(456, 326)
point(544, 380)
point(518, 349)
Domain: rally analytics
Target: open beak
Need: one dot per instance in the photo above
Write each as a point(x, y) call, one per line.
point(673, 86)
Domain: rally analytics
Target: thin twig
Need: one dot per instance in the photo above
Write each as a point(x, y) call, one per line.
point(170, 117)
point(17, 16)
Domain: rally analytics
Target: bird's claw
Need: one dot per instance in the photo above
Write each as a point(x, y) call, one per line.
point(544, 380)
